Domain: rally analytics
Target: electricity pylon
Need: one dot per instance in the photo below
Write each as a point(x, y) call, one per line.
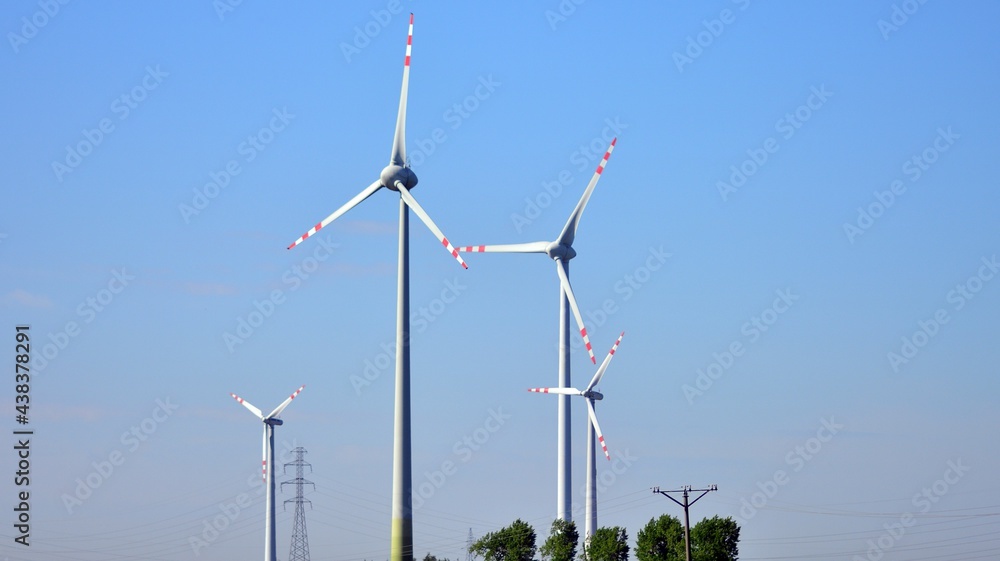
point(299, 550)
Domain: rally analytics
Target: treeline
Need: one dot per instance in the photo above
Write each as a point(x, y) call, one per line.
point(661, 539)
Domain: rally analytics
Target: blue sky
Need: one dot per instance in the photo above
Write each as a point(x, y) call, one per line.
point(866, 205)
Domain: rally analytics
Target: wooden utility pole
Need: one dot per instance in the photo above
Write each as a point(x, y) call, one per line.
point(685, 493)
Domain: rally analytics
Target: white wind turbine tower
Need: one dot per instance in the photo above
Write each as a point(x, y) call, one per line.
point(270, 421)
point(561, 251)
point(397, 176)
point(592, 427)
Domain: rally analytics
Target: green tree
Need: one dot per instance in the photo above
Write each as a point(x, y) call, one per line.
point(715, 539)
point(608, 544)
point(661, 539)
point(430, 557)
point(561, 543)
point(513, 543)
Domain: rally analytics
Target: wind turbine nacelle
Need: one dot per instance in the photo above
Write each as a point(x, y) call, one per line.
point(595, 395)
point(557, 250)
point(393, 173)
point(274, 422)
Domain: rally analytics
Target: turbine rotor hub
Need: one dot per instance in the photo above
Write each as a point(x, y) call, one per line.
point(556, 250)
point(393, 173)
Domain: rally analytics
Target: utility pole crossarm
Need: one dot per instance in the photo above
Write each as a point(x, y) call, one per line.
point(703, 493)
point(667, 495)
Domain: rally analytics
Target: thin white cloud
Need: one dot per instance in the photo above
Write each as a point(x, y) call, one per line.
point(24, 298)
point(370, 227)
point(68, 413)
point(355, 270)
point(209, 289)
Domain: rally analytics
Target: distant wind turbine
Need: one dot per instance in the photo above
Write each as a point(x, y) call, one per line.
point(270, 421)
point(561, 251)
point(592, 427)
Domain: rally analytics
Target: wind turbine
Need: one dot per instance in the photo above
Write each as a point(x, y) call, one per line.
point(592, 427)
point(270, 421)
point(397, 176)
point(561, 251)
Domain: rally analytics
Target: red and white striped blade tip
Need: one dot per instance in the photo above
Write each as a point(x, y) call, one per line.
point(559, 391)
point(409, 42)
point(607, 156)
point(250, 407)
point(312, 232)
point(618, 342)
point(590, 348)
point(454, 252)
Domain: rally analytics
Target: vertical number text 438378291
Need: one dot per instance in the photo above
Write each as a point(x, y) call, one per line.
point(21, 373)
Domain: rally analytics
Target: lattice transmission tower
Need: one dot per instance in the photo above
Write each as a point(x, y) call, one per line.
point(468, 547)
point(299, 550)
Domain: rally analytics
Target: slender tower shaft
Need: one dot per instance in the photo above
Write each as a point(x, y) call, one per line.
point(270, 550)
point(591, 514)
point(401, 539)
point(564, 474)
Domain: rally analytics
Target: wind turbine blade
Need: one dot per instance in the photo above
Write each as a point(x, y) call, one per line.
point(569, 231)
point(560, 391)
point(246, 404)
point(399, 140)
point(597, 427)
point(530, 247)
point(277, 410)
point(568, 291)
point(604, 365)
point(263, 461)
point(368, 191)
point(419, 211)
